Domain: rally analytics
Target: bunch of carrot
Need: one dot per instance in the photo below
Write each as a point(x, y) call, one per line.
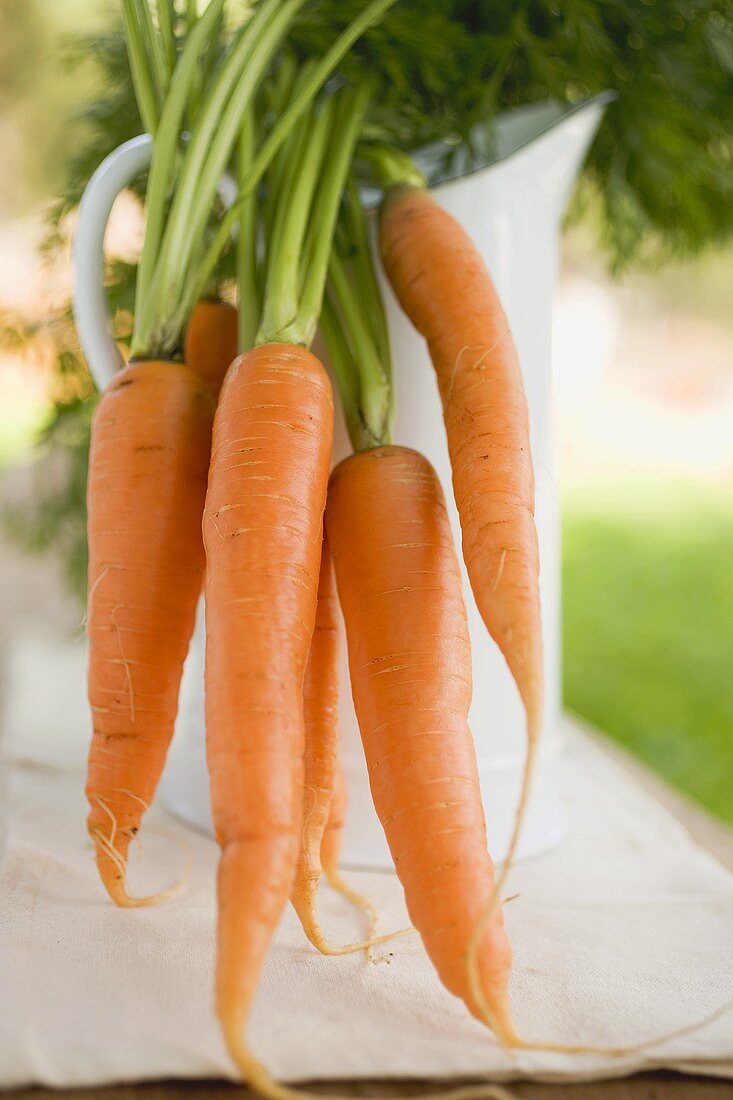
point(191, 437)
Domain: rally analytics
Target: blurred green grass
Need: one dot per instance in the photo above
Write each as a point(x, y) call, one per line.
point(22, 419)
point(648, 626)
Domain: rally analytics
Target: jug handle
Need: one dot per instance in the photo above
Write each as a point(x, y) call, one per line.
point(91, 310)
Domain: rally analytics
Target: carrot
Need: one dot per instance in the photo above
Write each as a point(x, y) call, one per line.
point(151, 441)
point(443, 285)
point(262, 530)
point(410, 666)
point(148, 463)
point(333, 834)
point(331, 843)
point(320, 705)
point(211, 341)
point(445, 289)
point(324, 802)
point(263, 527)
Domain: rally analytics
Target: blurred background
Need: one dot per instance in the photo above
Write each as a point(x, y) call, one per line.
point(643, 367)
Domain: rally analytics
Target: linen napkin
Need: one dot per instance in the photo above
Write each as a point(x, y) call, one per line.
point(622, 934)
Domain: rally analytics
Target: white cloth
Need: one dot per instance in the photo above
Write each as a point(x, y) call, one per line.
point(623, 933)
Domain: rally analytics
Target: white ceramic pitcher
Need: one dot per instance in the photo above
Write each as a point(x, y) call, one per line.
point(512, 209)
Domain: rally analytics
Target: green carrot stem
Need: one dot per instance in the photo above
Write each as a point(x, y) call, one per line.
point(374, 385)
point(348, 122)
point(284, 179)
point(282, 286)
point(217, 128)
point(282, 128)
point(344, 370)
point(154, 48)
point(166, 19)
point(205, 67)
point(280, 92)
point(139, 69)
point(205, 158)
point(247, 278)
point(365, 275)
point(163, 167)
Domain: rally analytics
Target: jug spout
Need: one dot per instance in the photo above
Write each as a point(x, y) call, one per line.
point(536, 152)
point(548, 143)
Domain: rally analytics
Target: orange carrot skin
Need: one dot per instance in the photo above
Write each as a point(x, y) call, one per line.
point(320, 708)
point(333, 834)
point(443, 286)
point(151, 437)
point(262, 530)
point(211, 341)
point(410, 666)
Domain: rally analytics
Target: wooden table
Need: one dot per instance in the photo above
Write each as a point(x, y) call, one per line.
point(707, 832)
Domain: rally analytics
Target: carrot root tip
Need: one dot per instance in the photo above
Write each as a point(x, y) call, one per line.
point(305, 907)
point(113, 871)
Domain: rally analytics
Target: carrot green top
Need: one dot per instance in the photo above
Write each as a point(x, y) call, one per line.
point(179, 257)
point(308, 183)
point(353, 322)
point(355, 329)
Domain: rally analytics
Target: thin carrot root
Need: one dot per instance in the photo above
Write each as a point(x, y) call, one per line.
point(487, 426)
point(324, 788)
point(257, 1077)
point(341, 886)
point(634, 1048)
point(112, 861)
point(505, 1030)
point(313, 931)
point(305, 906)
point(331, 841)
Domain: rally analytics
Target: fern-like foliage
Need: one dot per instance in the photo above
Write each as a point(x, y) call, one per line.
point(663, 159)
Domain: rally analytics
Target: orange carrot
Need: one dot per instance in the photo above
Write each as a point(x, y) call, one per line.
point(324, 805)
point(332, 841)
point(320, 705)
point(263, 532)
point(148, 463)
point(211, 341)
point(262, 529)
point(331, 854)
point(410, 665)
point(333, 834)
point(445, 289)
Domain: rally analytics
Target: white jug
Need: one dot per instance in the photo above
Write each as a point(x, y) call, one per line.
point(512, 209)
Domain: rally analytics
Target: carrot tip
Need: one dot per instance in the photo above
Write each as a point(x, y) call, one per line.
point(257, 1077)
point(304, 906)
point(252, 1071)
point(336, 882)
point(112, 867)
